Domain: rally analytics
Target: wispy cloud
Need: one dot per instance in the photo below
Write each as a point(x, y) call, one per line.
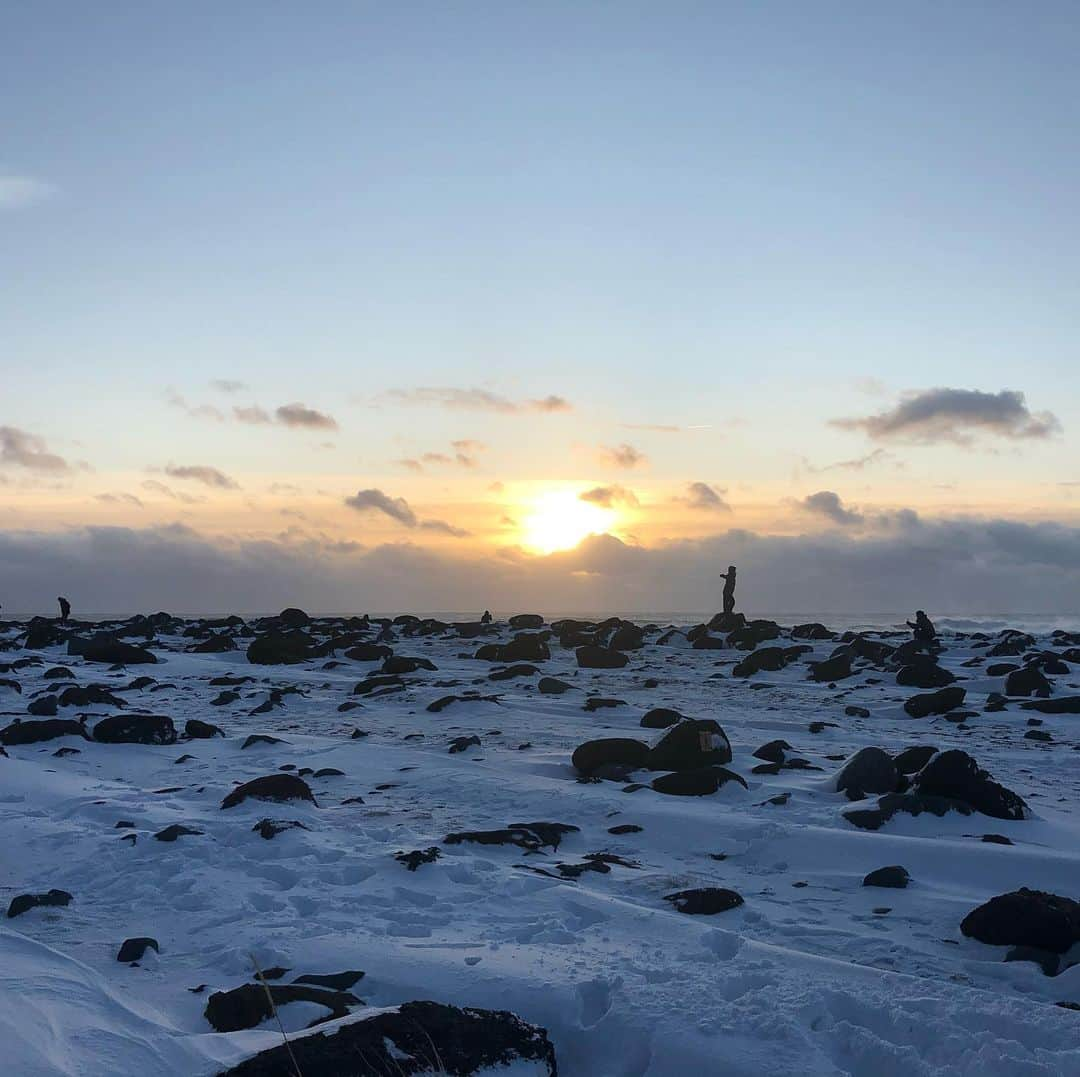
point(622, 456)
point(29, 451)
point(227, 385)
point(398, 509)
point(119, 499)
point(475, 400)
point(702, 497)
point(155, 487)
point(954, 415)
point(252, 416)
point(609, 496)
point(19, 191)
point(860, 463)
point(196, 411)
point(298, 415)
point(208, 476)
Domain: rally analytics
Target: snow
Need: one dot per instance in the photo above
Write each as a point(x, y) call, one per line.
point(799, 980)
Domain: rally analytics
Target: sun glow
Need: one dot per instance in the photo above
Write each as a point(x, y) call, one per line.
point(559, 520)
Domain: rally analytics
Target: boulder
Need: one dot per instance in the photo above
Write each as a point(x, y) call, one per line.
point(592, 657)
point(405, 1040)
point(912, 760)
point(198, 730)
point(105, 648)
point(398, 664)
point(660, 718)
point(250, 1005)
point(1061, 705)
point(135, 729)
point(133, 949)
point(33, 732)
point(1026, 918)
point(280, 649)
point(956, 776)
point(836, 668)
point(279, 787)
point(526, 620)
point(813, 630)
point(369, 652)
point(294, 618)
point(551, 686)
point(940, 702)
point(926, 674)
point(690, 745)
point(525, 647)
point(1029, 681)
point(618, 751)
point(706, 901)
point(869, 770)
point(25, 902)
point(696, 783)
point(894, 877)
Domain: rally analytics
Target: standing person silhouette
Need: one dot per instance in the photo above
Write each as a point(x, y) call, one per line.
point(729, 589)
point(65, 608)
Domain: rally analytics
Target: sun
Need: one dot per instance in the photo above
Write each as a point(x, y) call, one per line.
point(559, 520)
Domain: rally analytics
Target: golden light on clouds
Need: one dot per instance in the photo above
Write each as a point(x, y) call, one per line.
point(558, 519)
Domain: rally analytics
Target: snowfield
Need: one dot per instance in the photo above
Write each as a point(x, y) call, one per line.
point(814, 973)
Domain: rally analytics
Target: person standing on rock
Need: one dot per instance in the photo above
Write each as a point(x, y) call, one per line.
point(65, 608)
point(729, 589)
point(923, 628)
point(486, 619)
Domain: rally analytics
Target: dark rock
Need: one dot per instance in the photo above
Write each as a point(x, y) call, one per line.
point(1050, 963)
point(625, 828)
point(912, 760)
point(216, 644)
point(135, 729)
point(1001, 669)
point(660, 718)
point(33, 732)
point(1029, 681)
point(522, 669)
point(690, 745)
point(259, 738)
point(926, 674)
point(996, 839)
point(376, 684)
point(525, 647)
point(1026, 918)
point(369, 652)
point(281, 649)
point(706, 901)
point(591, 657)
point(417, 857)
point(1061, 705)
point(91, 695)
point(270, 828)
point(869, 770)
point(26, 902)
point(133, 949)
point(550, 686)
point(940, 702)
point(43, 706)
point(199, 730)
point(171, 833)
point(104, 648)
point(294, 618)
point(250, 1005)
point(696, 783)
point(814, 630)
point(852, 711)
point(955, 775)
point(460, 744)
point(405, 1040)
point(764, 659)
point(278, 787)
point(223, 699)
point(596, 703)
point(620, 751)
point(894, 877)
point(336, 981)
point(773, 751)
point(399, 664)
point(526, 620)
point(752, 634)
point(837, 668)
point(58, 673)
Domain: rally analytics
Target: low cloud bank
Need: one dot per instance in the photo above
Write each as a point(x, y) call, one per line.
point(967, 567)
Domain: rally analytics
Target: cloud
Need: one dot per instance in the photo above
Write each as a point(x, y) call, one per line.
point(196, 411)
point(609, 496)
point(860, 463)
point(226, 385)
point(704, 498)
point(128, 499)
point(655, 428)
point(412, 465)
point(954, 415)
point(208, 476)
point(29, 451)
point(436, 458)
point(622, 456)
point(297, 415)
point(475, 400)
point(19, 191)
point(253, 416)
point(397, 508)
point(965, 567)
point(156, 487)
point(827, 503)
point(468, 445)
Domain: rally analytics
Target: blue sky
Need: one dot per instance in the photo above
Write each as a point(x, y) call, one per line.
point(749, 219)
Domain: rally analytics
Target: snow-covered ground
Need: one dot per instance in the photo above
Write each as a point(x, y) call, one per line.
point(813, 974)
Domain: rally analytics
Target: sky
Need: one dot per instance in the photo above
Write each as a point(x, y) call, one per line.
point(455, 305)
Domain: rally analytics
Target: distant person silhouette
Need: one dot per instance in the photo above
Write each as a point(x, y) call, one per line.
point(729, 589)
point(923, 628)
point(65, 608)
point(487, 618)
